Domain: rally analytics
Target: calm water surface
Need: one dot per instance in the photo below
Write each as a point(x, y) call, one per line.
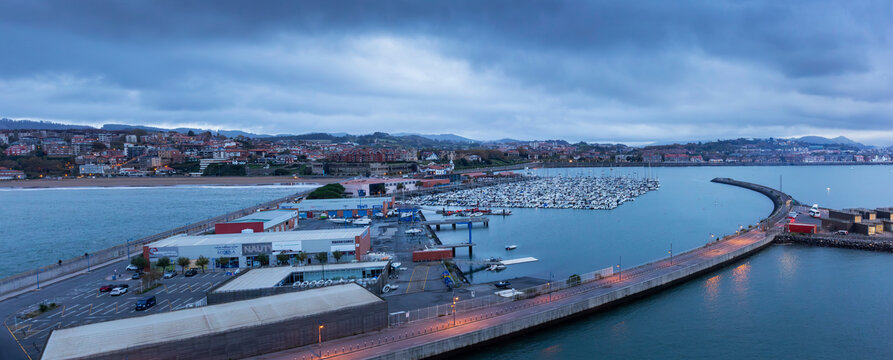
point(785, 302)
point(40, 226)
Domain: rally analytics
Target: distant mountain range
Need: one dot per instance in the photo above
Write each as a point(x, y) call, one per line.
point(413, 139)
point(9, 124)
point(840, 140)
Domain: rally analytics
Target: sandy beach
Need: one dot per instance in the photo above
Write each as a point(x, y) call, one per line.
point(164, 181)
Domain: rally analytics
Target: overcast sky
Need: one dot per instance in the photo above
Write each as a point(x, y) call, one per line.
point(607, 71)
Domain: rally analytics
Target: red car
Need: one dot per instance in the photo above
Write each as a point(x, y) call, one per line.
point(106, 288)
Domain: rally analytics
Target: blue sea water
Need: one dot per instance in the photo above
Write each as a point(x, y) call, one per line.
point(40, 226)
point(786, 302)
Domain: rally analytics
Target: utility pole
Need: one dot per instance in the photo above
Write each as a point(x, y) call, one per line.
point(620, 268)
point(671, 253)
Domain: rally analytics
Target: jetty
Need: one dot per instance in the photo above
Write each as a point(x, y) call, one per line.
point(454, 221)
point(486, 319)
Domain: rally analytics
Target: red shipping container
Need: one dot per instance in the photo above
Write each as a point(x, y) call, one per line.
point(432, 255)
point(801, 228)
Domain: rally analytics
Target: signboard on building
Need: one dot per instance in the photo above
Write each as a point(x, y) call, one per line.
point(160, 252)
point(361, 206)
point(287, 246)
point(257, 248)
point(376, 206)
point(227, 250)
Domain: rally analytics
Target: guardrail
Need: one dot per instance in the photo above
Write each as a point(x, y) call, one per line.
point(29, 278)
point(440, 310)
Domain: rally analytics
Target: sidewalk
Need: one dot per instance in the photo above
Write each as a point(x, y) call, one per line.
point(49, 282)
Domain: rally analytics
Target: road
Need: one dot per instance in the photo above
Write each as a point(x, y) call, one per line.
point(80, 302)
point(403, 337)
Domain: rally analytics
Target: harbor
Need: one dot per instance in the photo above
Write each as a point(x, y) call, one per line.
point(559, 192)
point(485, 321)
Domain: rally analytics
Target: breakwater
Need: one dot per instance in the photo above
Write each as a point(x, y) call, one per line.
point(845, 241)
point(543, 306)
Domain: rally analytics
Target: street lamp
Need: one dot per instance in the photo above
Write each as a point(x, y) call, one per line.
point(620, 269)
point(455, 298)
point(320, 337)
point(671, 253)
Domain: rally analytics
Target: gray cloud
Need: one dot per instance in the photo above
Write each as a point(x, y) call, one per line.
point(598, 70)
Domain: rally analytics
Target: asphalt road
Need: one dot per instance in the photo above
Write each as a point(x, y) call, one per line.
point(80, 302)
point(389, 340)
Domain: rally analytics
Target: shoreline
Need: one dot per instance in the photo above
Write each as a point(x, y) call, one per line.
point(162, 182)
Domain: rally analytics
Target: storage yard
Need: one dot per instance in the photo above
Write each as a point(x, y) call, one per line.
point(596, 193)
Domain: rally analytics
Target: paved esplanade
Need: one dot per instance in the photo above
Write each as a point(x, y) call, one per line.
point(426, 338)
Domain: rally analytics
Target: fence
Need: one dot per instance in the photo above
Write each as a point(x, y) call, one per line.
point(441, 310)
point(30, 278)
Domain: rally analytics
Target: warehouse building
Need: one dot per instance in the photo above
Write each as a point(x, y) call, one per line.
point(241, 250)
point(341, 208)
point(261, 221)
point(255, 283)
point(227, 331)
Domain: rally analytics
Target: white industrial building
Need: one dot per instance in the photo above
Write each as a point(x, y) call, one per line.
point(242, 249)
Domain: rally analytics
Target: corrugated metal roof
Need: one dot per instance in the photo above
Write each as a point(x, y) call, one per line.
point(269, 277)
point(249, 238)
point(94, 339)
point(337, 204)
point(270, 218)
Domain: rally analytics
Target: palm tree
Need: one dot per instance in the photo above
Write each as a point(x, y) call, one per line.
point(183, 262)
point(322, 258)
point(202, 261)
point(282, 259)
point(163, 263)
point(337, 254)
point(301, 256)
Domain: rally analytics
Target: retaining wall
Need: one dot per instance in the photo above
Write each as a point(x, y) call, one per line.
point(463, 342)
point(258, 340)
point(28, 279)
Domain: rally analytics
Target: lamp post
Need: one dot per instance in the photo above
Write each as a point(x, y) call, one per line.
point(87, 255)
point(620, 269)
point(319, 334)
point(550, 286)
point(671, 253)
point(453, 306)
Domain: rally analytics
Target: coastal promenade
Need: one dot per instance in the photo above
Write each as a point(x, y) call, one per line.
point(20, 283)
point(538, 307)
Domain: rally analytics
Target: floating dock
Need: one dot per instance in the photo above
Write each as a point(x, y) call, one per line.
point(519, 260)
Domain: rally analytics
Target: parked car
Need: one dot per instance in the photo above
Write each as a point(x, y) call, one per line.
point(136, 276)
point(191, 272)
point(842, 232)
point(145, 303)
point(169, 274)
point(792, 214)
point(132, 267)
point(106, 288)
point(119, 291)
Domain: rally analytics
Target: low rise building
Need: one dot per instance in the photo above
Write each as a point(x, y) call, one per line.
point(261, 221)
point(378, 186)
point(232, 330)
point(341, 208)
point(241, 250)
point(7, 174)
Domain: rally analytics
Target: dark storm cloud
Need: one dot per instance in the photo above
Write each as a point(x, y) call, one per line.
point(627, 71)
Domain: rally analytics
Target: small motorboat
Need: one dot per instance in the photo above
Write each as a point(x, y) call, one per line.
point(511, 247)
point(502, 284)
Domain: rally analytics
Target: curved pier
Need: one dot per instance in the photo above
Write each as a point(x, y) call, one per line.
point(548, 304)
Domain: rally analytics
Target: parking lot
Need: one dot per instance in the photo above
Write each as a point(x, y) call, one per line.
point(85, 304)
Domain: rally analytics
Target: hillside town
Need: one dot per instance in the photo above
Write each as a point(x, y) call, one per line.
point(72, 153)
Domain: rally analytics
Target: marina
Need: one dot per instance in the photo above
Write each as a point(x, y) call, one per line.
point(560, 192)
